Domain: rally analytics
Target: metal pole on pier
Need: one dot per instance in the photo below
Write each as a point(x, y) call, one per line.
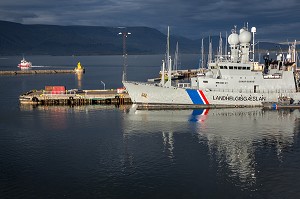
point(125, 34)
point(103, 85)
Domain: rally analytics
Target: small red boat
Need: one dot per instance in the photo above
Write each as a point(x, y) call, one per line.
point(24, 64)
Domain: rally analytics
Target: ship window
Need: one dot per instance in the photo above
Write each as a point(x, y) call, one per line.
point(248, 68)
point(235, 67)
point(205, 81)
point(230, 67)
point(225, 67)
point(239, 68)
point(221, 67)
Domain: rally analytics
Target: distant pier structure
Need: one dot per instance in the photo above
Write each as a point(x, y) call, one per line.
point(58, 95)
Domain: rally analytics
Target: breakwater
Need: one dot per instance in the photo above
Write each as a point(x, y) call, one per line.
point(28, 72)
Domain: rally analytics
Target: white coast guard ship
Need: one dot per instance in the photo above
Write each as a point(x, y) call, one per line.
point(233, 79)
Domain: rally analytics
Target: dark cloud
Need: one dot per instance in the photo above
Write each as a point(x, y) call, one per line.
point(274, 19)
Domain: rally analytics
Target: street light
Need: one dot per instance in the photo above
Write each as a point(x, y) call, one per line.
point(103, 84)
point(125, 34)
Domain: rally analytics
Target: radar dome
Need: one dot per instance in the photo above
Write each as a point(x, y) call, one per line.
point(245, 37)
point(233, 39)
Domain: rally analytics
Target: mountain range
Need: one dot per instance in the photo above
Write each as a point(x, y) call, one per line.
point(18, 39)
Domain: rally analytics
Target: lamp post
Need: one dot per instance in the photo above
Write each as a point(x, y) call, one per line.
point(103, 85)
point(125, 34)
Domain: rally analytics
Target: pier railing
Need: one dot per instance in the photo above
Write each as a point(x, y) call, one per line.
point(59, 92)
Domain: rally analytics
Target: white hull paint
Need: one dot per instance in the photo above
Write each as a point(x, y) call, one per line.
point(143, 93)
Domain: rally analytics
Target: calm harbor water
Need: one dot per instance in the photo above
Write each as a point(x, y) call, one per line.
point(120, 152)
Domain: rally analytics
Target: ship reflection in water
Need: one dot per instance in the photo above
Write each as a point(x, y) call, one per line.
point(248, 152)
point(237, 140)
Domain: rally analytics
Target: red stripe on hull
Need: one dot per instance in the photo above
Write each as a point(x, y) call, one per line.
point(205, 112)
point(203, 97)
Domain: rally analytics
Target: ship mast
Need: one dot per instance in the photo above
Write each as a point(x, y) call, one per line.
point(169, 64)
point(176, 58)
point(295, 55)
point(162, 79)
point(253, 30)
point(202, 55)
point(210, 51)
point(220, 47)
point(226, 47)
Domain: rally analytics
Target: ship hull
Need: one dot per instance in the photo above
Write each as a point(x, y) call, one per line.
point(143, 93)
point(24, 67)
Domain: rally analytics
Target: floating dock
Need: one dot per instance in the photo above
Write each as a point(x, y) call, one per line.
point(276, 106)
point(74, 97)
point(30, 72)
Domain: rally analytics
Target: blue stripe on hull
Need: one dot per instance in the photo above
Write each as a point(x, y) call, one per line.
point(195, 97)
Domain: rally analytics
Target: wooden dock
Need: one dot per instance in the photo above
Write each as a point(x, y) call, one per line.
point(32, 72)
point(75, 97)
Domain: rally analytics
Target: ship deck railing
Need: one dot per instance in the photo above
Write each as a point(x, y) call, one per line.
point(144, 83)
point(187, 85)
point(252, 90)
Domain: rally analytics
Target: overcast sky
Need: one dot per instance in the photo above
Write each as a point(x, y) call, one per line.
point(275, 20)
